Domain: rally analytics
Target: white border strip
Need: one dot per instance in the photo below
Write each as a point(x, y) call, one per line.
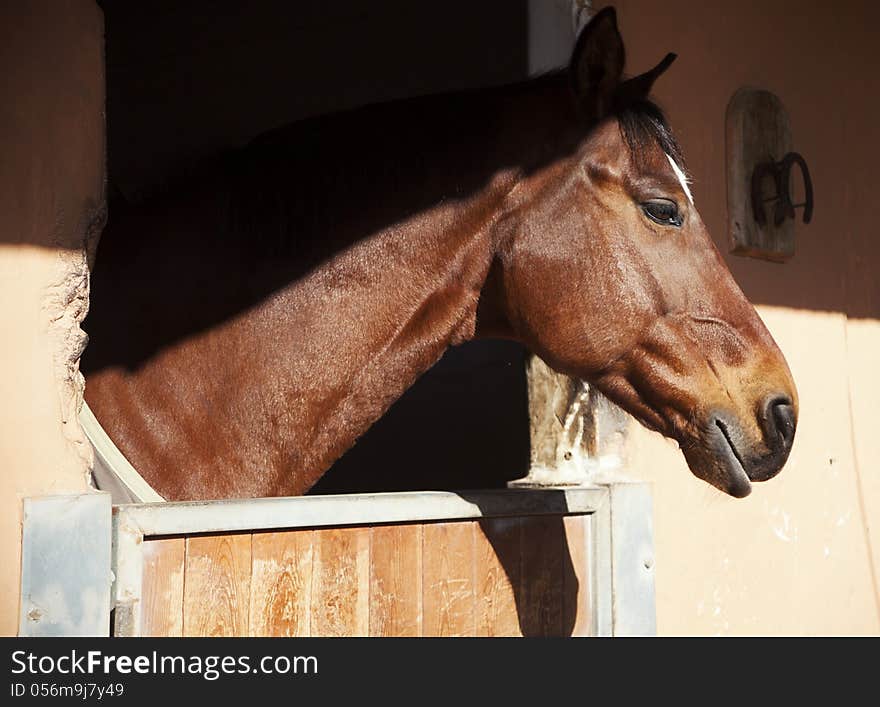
point(108, 456)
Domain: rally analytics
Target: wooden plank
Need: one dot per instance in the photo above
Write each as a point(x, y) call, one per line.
point(396, 580)
point(498, 576)
point(542, 576)
point(281, 583)
point(341, 582)
point(577, 587)
point(162, 597)
point(448, 582)
point(217, 585)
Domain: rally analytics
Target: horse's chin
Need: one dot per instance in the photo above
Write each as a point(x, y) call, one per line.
point(716, 460)
point(736, 484)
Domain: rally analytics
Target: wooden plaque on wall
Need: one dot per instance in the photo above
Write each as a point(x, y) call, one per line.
point(757, 131)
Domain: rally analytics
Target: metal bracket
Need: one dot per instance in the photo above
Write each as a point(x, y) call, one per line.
point(65, 566)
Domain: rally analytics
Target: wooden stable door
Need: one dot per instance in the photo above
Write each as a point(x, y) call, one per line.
point(505, 576)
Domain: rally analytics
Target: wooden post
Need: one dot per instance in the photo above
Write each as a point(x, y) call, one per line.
point(577, 434)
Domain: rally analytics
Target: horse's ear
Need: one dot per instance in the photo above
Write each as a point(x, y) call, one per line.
point(597, 64)
point(638, 87)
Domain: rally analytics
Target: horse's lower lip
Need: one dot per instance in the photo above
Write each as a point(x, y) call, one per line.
point(739, 485)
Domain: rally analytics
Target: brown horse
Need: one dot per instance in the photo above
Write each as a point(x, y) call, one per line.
point(248, 326)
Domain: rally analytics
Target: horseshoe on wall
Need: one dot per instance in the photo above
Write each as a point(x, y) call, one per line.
point(781, 174)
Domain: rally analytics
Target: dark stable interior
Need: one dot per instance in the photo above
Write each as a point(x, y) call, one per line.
point(187, 81)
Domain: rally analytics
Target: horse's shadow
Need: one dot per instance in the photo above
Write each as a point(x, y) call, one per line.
point(537, 559)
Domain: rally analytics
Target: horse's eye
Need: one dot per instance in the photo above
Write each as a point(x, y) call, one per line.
point(663, 211)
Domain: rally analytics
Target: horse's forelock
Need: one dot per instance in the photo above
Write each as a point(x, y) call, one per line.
point(643, 125)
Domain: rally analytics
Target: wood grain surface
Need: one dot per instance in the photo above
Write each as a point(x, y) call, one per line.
point(494, 577)
point(281, 584)
point(396, 580)
point(163, 587)
point(216, 592)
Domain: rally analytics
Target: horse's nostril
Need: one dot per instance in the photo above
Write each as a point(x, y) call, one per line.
point(780, 421)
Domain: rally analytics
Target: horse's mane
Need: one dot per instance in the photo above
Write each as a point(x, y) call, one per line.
point(246, 223)
point(310, 187)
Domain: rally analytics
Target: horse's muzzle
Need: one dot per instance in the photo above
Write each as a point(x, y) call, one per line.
point(744, 460)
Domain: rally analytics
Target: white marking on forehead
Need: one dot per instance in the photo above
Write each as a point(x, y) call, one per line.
point(681, 178)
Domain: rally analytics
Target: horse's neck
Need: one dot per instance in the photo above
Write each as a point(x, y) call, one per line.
point(372, 320)
point(291, 383)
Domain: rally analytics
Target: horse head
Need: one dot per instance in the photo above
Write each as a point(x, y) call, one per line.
point(609, 274)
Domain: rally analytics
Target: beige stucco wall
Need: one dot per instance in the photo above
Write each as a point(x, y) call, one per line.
point(793, 558)
point(863, 352)
point(801, 555)
point(51, 190)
